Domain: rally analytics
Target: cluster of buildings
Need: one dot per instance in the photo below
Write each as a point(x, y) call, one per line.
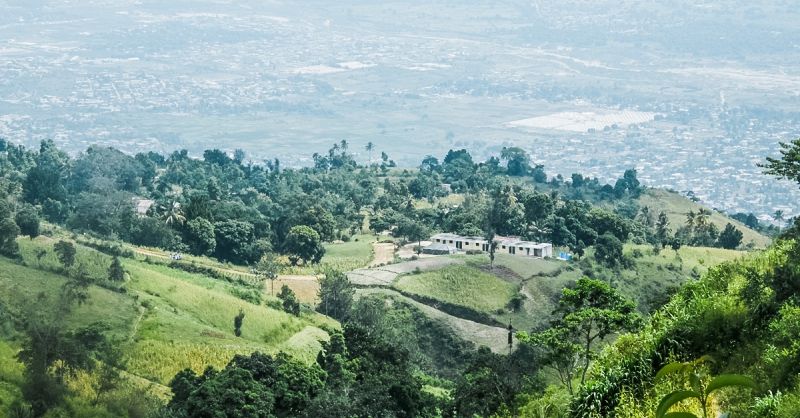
point(453, 243)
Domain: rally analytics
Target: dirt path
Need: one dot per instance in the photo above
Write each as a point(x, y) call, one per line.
point(383, 253)
point(493, 337)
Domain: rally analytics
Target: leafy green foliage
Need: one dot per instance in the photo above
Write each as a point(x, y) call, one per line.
point(289, 301)
point(700, 390)
point(335, 295)
point(303, 243)
point(730, 237)
point(788, 166)
point(65, 251)
point(587, 313)
point(27, 218)
point(608, 250)
point(200, 236)
point(116, 273)
point(237, 323)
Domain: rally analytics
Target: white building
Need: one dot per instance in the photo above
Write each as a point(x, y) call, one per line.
point(506, 245)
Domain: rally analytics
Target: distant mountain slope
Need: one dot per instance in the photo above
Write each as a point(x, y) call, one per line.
point(677, 206)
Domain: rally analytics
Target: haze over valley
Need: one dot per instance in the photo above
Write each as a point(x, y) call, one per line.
point(691, 95)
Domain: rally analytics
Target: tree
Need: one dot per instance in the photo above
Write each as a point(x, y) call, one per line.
point(691, 217)
point(51, 350)
point(559, 350)
point(172, 214)
point(413, 231)
point(608, 250)
point(289, 301)
point(27, 218)
point(254, 386)
point(506, 214)
point(788, 166)
point(303, 243)
point(538, 206)
point(587, 313)
point(730, 237)
point(369, 147)
point(631, 182)
point(518, 161)
point(237, 323)
point(429, 164)
point(200, 236)
point(492, 247)
point(116, 273)
point(65, 251)
point(778, 216)
point(47, 179)
point(8, 236)
point(269, 268)
point(335, 295)
point(234, 240)
point(662, 228)
point(577, 180)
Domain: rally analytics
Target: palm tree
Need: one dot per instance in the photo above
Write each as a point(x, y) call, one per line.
point(702, 217)
point(690, 219)
point(370, 146)
point(778, 216)
point(173, 214)
point(343, 145)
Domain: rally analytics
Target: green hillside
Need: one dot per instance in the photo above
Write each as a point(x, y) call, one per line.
point(676, 207)
point(168, 319)
point(742, 314)
point(460, 285)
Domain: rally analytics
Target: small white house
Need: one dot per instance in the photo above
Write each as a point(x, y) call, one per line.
point(507, 245)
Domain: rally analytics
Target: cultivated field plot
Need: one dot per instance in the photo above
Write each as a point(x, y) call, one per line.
point(385, 276)
point(460, 285)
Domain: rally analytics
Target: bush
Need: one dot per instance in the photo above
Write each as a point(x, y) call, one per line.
point(248, 295)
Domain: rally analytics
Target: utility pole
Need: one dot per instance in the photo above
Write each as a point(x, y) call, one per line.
point(510, 338)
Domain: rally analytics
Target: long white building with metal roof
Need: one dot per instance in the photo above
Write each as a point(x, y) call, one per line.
point(508, 245)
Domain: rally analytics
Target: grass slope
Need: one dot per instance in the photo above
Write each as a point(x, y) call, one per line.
point(650, 281)
point(171, 319)
point(460, 285)
point(676, 207)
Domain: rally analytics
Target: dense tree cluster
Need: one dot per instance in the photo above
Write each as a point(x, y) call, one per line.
point(237, 211)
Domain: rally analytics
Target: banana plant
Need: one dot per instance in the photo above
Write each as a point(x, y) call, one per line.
point(700, 390)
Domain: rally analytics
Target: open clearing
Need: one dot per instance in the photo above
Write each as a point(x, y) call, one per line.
point(384, 253)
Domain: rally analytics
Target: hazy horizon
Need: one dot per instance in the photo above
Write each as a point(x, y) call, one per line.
point(693, 96)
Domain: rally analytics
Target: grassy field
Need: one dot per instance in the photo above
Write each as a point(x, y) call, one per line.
point(649, 281)
point(10, 374)
point(523, 267)
point(460, 285)
point(167, 319)
point(343, 256)
point(676, 207)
